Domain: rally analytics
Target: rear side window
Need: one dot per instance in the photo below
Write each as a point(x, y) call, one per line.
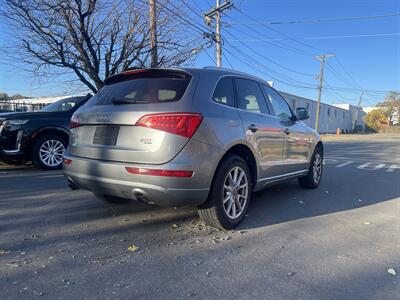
point(158, 88)
point(224, 92)
point(250, 97)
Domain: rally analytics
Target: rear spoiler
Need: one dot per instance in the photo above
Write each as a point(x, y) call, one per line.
point(147, 73)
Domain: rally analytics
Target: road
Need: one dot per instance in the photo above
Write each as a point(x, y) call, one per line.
point(336, 242)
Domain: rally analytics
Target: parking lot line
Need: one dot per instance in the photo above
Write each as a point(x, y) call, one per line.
point(344, 164)
point(367, 166)
point(392, 168)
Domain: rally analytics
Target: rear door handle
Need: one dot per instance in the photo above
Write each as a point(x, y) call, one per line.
point(252, 128)
point(286, 131)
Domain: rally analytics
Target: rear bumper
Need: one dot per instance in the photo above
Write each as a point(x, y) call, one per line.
point(111, 178)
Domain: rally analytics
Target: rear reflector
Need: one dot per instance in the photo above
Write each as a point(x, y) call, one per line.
point(157, 172)
point(67, 161)
point(74, 122)
point(180, 123)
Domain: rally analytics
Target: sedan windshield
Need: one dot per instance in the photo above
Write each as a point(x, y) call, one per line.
point(61, 105)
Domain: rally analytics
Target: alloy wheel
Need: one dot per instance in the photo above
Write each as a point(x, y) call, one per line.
point(317, 167)
point(235, 192)
point(51, 152)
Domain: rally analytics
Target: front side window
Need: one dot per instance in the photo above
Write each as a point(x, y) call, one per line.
point(224, 92)
point(281, 108)
point(249, 96)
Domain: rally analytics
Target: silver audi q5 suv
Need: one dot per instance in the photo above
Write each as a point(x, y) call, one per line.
point(206, 137)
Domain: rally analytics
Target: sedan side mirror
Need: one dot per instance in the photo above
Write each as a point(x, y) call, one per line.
point(302, 113)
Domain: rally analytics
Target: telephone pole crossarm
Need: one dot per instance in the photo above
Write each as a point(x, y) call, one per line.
point(215, 14)
point(220, 8)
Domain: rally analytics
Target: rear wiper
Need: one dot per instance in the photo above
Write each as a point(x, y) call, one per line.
point(123, 101)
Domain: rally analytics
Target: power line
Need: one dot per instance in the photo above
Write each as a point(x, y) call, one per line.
point(227, 59)
point(324, 20)
point(288, 37)
point(282, 34)
point(245, 58)
point(271, 61)
point(351, 36)
point(273, 42)
point(198, 28)
point(276, 73)
point(323, 37)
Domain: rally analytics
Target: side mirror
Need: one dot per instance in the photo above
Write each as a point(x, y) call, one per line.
point(302, 113)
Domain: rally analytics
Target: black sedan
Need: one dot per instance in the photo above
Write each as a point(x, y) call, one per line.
point(41, 137)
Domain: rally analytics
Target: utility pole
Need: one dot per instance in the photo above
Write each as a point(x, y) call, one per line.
point(357, 111)
point(215, 14)
point(321, 58)
point(153, 33)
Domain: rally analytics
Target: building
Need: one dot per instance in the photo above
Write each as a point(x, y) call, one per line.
point(28, 104)
point(331, 117)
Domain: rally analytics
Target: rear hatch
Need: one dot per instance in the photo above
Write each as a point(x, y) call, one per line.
point(137, 117)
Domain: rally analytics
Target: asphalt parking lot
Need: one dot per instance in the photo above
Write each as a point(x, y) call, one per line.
point(336, 242)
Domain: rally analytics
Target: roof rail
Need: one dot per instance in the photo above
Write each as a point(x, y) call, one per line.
point(237, 72)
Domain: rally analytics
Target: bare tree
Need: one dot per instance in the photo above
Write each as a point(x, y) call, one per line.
point(92, 39)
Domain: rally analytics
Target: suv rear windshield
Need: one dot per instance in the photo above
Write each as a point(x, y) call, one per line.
point(142, 88)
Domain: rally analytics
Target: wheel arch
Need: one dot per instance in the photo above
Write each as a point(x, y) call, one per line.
point(321, 146)
point(63, 133)
point(247, 154)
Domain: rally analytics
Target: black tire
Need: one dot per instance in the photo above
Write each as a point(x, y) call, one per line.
point(37, 160)
point(308, 181)
point(111, 199)
point(213, 212)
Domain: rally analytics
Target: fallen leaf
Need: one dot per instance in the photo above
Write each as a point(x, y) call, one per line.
point(133, 248)
point(392, 271)
point(2, 252)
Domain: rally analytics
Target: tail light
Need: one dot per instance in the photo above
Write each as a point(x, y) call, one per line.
point(74, 122)
point(181, 123)
point(67, 161)
point(158, 172)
